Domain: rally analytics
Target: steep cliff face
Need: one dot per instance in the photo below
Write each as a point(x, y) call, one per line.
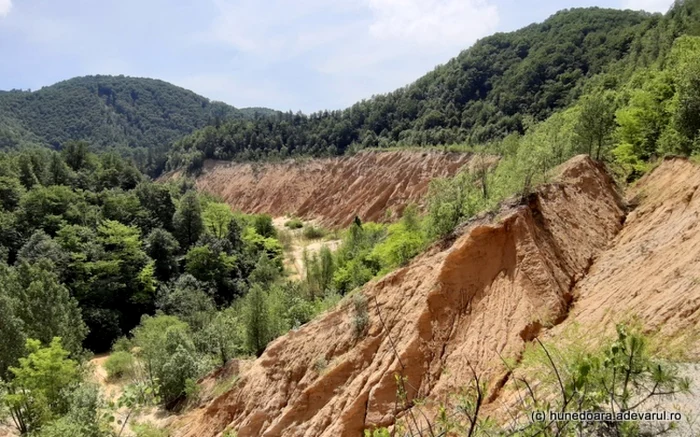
point(332, 191)
point(483, 297)
point(651, 272)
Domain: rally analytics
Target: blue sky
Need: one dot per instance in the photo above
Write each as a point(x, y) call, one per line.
point(285, 54)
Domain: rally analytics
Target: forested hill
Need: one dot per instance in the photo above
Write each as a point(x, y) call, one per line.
point(495, 87)
point(108, 111)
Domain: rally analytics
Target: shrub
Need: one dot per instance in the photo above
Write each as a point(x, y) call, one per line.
point(285, 238)
point(119, 365)
point(257, 320)
point(319, 270)
point(360, 320)
point(294, 223)
point(263, 226)
point(400, 246)
point(312, 232)
point(320, 364)
point(355, 274)
point(122, 344)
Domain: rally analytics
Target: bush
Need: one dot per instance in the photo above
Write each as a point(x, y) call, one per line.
point(400, 246)
point(122, 344)
point(355, 274)
point(312, 232)
point(360, 320)
point(119, 365)
point(263, 226)
point(294, 223)
point(85, 417)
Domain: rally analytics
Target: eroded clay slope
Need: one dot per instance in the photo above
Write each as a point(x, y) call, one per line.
point(486, 294)
point(332, 191)
point(651, 272)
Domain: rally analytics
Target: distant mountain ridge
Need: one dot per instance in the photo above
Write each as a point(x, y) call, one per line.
point(502, 84)
point(109, 111)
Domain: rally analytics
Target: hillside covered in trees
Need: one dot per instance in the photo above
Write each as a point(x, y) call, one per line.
point(501, 85)
point(141, 116)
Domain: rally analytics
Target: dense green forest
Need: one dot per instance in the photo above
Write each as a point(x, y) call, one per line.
point(499, 86)
point(141, 117)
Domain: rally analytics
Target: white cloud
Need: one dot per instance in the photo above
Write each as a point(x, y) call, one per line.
point(648, 5)
point(432, 22)
point(349, 49)
point(240, 92)
point(5, 6)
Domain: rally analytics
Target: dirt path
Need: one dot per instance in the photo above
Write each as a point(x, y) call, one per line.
point(297, 244)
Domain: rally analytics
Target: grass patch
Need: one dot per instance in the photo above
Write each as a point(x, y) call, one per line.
point(311, 232)
point(148, 430)
point(225, 385)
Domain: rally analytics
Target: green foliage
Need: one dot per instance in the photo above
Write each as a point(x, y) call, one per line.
point(360, 318)
point(225, 335)
point(294, 223)
point(617, 376)
point(483, 94)
point(311, 232)
point(158, 205)
point(188, 299)
point(187, 220)
point(257, 320)
point(266, 270)
point(10, 193)
point(163, 248)
point(36, 392)
point(320, 268)
point(48, 208)
point(206, 265)
point(120, 364)
point(11, 332)
point(148, 430)
point(217, 217)
point(168, 352)
point(86, 416)
point(107, 111)
point(379, 432)
point(404, 241)
point(44, 305)
point(263, 226)
point(596, 123)
point(98, 250)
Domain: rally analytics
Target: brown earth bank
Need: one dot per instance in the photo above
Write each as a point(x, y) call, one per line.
point(333, 190)
point(569, 253)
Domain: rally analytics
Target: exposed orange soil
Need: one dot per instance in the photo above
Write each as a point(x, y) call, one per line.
point(652, 269)
point(333, 190)
point(569, 253)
